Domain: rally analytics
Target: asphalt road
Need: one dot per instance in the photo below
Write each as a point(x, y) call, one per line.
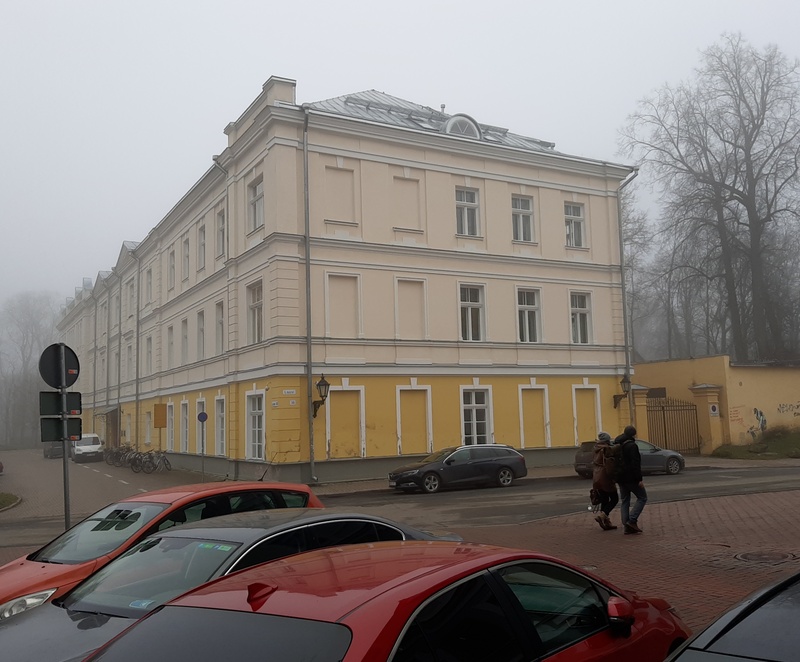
point(40, 518)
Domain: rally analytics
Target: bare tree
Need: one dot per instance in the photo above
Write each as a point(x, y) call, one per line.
point(725, 148)
point(28, 326)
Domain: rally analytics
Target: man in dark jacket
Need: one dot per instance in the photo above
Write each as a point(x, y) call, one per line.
point(630, 481)
point(602, 483)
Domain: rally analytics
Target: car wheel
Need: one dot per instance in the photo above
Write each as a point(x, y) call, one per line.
point(431, 483)
point(505, 477)
point(673, 466)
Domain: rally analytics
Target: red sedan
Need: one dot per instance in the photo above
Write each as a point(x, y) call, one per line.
point(405, 602)
point(52, 570)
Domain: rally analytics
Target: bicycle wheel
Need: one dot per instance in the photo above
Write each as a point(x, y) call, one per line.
point(148, 466)
point(119, 459)
point(109, 457)
point(167, 464)
point(136, 464)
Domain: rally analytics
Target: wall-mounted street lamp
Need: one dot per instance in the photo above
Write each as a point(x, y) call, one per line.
point(323, 387)
point(625, 383)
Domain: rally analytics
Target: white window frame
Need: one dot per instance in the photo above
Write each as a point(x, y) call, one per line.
point(185, 259)
point(148, 354)
point(148, 279)
point(527, 331)
point(220, 252)
point(201, 335)
point(129, 362)
point(170, 427)
point(522, 219)
point(575, 224)
point(580, 318)
point(255, 313)
point(467, 212)
point(200, 406)
point(148, 428)
point(256, 205)
point(470, 409)
point(201, 247)
point(184, 426)
point(255, 420)
point(219, 426)
point(469, 309)
point(171, 269)
point(131, 298)
point(219, 328)
point(184, 341)
point(170, 346)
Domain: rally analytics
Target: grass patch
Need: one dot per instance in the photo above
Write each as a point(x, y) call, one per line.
point(779, 442)
point(7, 499)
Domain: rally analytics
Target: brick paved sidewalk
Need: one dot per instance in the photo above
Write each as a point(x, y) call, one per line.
point(692, 553)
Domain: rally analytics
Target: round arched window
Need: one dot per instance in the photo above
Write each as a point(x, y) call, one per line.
point(461, 125)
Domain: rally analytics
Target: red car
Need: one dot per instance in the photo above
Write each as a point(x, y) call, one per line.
point(405, 602)
point(52, 570)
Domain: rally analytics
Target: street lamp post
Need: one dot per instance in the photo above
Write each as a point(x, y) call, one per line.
point(625, 383)
point(323, 388)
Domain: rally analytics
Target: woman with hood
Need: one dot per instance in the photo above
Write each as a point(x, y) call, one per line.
point(602, 482)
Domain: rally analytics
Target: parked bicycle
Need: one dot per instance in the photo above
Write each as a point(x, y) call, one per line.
point(155, 461)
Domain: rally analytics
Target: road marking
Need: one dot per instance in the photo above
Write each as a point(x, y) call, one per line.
point(124, 482)
point(108, 475)
point(141, 489)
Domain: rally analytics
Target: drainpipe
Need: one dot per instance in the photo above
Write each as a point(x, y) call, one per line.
point(119, 361)
point(307, 242)
point(136, 375)
point(626, 333)
point(94, 361)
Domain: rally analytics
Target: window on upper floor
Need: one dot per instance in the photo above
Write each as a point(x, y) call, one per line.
point(255, 313)
point(528, 315)
point(171, 269)
point(129, 362)
point(170, 347)
point(220, 248)
point(581, 317)
point(219, 326)
point(131, 298)
point(256, 196)
point(201, 247)
point(148, 280)
point(201, 335)
point(467, 221)
point(185, 261)
point(148, 355)
point(575, 225)
point(472, 312)
point(184, 342)
point(522, 218)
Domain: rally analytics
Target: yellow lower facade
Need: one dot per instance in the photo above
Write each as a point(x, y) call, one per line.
point(369, 417)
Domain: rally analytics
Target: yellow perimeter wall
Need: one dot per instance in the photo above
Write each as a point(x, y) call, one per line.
point(385, 416)
point(746, 390)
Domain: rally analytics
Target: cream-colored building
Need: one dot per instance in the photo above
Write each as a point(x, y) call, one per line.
point(462, 285)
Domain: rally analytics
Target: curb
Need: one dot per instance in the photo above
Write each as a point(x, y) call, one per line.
point(9, 507)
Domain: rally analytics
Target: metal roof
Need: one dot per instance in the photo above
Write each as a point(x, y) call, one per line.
point(382, 108)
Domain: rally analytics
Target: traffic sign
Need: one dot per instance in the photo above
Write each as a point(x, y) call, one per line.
point(50, 404)
point(50, 366)
point(52, 429)
point(202, 417)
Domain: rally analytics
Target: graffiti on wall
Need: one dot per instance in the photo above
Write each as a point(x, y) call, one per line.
point(760, 424)
point(792, 408)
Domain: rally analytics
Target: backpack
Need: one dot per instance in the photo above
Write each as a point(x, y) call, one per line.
point(614, 462)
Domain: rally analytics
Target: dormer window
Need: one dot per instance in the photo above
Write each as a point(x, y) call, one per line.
point(461, 125)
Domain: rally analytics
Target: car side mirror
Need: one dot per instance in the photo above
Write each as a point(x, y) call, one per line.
point(620, 616)
point(449, 460)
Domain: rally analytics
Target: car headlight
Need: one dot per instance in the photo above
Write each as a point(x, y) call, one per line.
point(24, 603)
point(410, 473)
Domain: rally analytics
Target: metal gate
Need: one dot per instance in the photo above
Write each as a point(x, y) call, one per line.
point(672, 424)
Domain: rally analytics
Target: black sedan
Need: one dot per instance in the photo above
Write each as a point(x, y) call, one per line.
point(762, 628)
point(171, 562)
point(464, 466)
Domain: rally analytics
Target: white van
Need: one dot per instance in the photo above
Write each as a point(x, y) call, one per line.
point(88, 447)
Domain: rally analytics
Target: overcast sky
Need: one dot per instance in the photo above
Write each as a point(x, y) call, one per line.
point(111, 110)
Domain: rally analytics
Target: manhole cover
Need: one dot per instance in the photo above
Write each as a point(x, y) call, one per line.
point(764, 557)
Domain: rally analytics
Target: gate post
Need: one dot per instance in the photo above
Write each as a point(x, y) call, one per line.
point(640, 408)
point(709, 419)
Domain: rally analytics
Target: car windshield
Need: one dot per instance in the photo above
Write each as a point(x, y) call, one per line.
point(191, 633)
point(438, 456)
point(87, 442)
point(100, 533)
point(150, 574)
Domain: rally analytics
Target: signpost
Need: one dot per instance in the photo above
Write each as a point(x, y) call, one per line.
point(59, 368)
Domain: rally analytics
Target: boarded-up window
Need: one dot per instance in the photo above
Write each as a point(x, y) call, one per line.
point(411, 312)
point(533, 418)
point(585, 400)
point(343, 308)
point(413, 422)
point(344, 409)
point(405, 194)
point(339, 195)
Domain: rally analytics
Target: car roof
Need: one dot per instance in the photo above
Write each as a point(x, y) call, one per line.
point(254, 525)
point(329, 584)
point(178, 492)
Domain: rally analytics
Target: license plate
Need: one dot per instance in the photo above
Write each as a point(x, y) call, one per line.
point(392, 483)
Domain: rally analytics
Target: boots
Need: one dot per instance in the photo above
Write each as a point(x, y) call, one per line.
point(604, 521)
